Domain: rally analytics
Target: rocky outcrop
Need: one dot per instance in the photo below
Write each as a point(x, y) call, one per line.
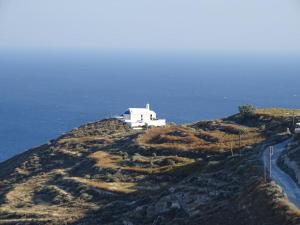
point(289, 161)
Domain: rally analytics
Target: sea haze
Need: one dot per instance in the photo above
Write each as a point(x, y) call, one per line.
point(43, 95)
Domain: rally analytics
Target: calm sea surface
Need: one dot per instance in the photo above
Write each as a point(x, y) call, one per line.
point(43, 95)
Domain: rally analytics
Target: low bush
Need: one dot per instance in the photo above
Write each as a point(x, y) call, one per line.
point(247, 110)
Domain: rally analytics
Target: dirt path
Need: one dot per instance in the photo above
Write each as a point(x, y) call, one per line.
point(288, 185)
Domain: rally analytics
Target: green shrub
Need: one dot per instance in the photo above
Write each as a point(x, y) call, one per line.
point(247, 110)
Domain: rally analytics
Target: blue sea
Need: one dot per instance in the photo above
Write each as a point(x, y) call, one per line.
point(44, 94)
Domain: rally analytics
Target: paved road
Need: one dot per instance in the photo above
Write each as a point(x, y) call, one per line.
point(287, 184)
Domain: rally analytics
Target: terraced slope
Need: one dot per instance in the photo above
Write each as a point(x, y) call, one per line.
point(105, 173)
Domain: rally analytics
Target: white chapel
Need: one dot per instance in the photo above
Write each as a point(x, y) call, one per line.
point(139, 117)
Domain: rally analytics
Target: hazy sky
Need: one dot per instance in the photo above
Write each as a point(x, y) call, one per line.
point(201, 25)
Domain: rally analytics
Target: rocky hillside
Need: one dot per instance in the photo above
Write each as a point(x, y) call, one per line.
point(208, 172)
point(290, 159)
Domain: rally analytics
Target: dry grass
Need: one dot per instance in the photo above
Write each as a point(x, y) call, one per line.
point(103, 185)
point(143, 164)
point(75, 140)
point(292, 209)
point(136, 165)
point(172, 137)
point(21, 202)
point(117, 187)
point(151, 164)
point(187, 139)
point(278, 112)
point(159, 170)
point(106, 160)
point(268, 197)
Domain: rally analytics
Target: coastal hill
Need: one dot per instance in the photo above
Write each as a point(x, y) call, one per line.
point(207, 172)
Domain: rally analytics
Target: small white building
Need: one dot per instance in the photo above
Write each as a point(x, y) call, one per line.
point(139, 117)
point(297, 128)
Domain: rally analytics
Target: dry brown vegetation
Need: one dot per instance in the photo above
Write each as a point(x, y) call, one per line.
point(271, 122)
point(106, 173)
point(278, 112)
point(139, 163)
point(75, 140)
point(222, 137)
point(115, 187)
point(106, 160)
